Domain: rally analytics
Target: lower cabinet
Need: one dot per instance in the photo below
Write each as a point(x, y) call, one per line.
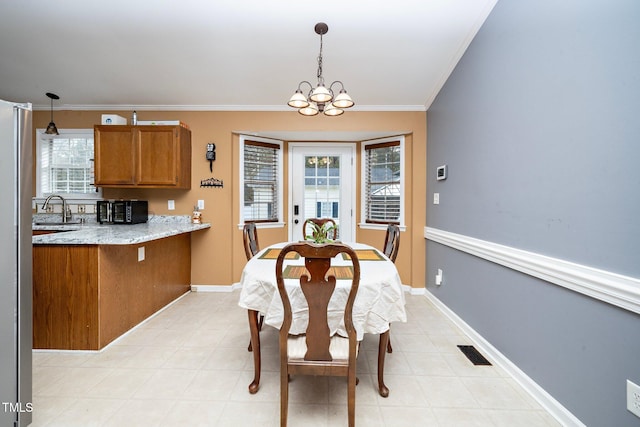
point(86, 296)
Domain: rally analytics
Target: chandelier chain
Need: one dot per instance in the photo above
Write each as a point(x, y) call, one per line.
point(319, 75)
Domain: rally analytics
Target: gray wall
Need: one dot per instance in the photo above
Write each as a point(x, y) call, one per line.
point(540, 128)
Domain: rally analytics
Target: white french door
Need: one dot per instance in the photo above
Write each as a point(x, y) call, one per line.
point(322, 183)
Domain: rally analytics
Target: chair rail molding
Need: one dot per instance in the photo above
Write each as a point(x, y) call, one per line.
point(613, 288)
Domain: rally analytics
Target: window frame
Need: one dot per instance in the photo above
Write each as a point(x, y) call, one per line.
point(279, 221)
point(65, 133)
point(365, 223)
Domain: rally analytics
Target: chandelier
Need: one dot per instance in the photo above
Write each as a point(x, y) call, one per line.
point(320, 99)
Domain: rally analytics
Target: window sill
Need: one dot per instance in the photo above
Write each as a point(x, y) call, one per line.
point(369, 226)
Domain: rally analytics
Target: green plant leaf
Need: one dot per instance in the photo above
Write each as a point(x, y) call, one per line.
point(320, 234)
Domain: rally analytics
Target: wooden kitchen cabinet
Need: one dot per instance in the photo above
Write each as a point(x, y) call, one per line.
point(142, 156)
point(86, 296)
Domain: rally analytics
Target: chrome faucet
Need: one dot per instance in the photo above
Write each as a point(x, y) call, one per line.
point(66, 211)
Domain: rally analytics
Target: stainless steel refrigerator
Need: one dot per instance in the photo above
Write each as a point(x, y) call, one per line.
point(16, 322)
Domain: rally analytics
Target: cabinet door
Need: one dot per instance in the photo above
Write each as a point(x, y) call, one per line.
point(157, 153)
point(114, 150)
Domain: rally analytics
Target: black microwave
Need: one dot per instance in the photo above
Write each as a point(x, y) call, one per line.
point(122, 211)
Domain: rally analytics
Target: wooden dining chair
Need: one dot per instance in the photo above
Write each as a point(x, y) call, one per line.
point(392, 242)
point(317, 352)
point(251, 248)
point(250, 238)
point(320, 222)
point(390, 249)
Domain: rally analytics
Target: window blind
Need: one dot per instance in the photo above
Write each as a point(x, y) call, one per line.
point(382, 186)
point(260, 181)
point(66, 165)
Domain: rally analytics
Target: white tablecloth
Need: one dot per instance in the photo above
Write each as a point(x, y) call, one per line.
point(380, 299)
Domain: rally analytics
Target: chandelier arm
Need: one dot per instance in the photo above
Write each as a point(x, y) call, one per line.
point(310, 91)
point(336, 82)
point(302, 82)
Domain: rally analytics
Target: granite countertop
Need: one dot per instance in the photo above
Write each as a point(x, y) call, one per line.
point(92, 233)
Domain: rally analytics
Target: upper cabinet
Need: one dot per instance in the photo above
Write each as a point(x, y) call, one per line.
point(142, 156)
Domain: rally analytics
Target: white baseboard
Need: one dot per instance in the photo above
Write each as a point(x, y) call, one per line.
point(234, 286)
point(215, 288)
point(413, 291)
point(552, 406)
point(613, 288)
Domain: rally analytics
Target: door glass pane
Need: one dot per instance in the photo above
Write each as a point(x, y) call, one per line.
point(322, 187)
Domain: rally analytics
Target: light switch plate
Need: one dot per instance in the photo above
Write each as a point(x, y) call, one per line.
point(200, 204)
point(633, 398)
point(141, 253)
point(171, 205)
point(436, 198)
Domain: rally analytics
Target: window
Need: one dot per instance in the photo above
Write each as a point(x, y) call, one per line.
point(322, 187)
point(383, 195)
point(327, 210)
point(65, 164)
point(261, 182)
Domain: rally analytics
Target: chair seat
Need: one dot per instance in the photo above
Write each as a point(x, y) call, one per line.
point(338, 347)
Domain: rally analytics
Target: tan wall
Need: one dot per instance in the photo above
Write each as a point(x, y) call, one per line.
point(217, 253)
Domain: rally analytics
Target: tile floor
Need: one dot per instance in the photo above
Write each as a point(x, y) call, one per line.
point(189, 366)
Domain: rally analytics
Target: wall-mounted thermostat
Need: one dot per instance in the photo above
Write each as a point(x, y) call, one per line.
point(441, 172)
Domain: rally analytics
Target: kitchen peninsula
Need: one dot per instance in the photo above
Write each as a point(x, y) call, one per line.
point(92, 283)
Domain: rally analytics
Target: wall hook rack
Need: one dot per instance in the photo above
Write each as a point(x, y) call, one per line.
point(211, 182)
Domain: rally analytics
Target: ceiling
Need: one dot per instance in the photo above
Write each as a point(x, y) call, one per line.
point(230, 55)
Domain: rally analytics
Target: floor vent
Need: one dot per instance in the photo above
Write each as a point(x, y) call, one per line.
point(474, 355)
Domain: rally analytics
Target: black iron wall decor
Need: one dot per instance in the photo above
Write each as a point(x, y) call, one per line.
point(212, 182)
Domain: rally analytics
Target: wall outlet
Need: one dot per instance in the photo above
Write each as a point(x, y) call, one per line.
point(436, 198)
point(633, 398)
point(439, 277)
point(171, 205)
point(141, 253)
point(200, 204)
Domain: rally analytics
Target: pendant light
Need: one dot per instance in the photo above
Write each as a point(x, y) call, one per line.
point(320, 99)
point(52, 129)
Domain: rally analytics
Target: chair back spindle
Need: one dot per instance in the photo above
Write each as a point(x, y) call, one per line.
point(250, 239)
point(392, 242)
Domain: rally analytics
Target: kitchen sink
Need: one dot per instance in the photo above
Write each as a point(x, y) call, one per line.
point(70, 222)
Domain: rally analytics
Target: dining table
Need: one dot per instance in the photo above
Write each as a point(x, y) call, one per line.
point(379, 302)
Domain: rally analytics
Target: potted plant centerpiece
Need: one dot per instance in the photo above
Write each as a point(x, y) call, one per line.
point(320, 233)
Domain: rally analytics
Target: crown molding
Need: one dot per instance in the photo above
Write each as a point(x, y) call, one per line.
point(256, 108)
